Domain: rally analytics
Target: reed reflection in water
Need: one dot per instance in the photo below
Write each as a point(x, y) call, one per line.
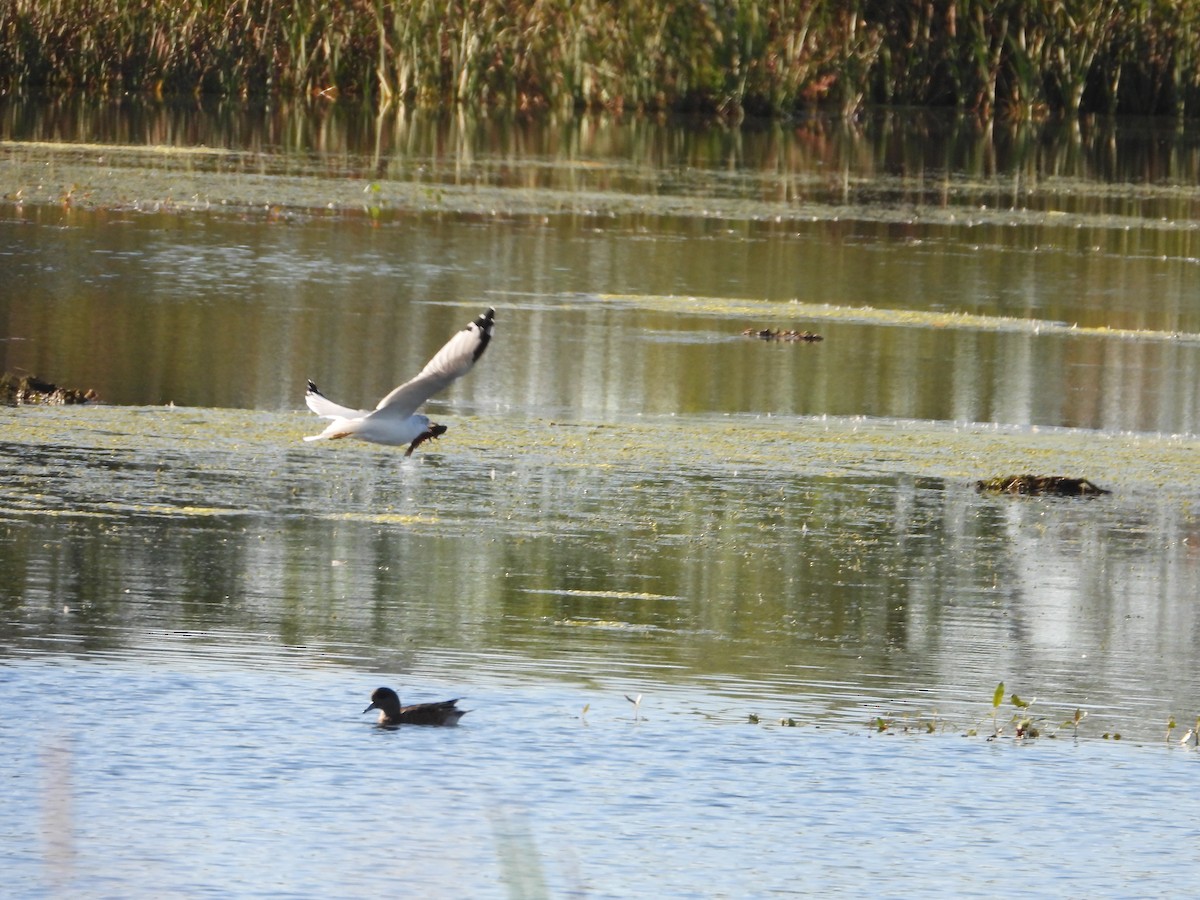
point(214, 312)
point(814, 568)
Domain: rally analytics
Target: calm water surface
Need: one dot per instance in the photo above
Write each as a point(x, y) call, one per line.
point(776, 546)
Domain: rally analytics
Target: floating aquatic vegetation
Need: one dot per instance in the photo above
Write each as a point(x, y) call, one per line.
point(906, 725)
point(869, 315)
point(1024, 723)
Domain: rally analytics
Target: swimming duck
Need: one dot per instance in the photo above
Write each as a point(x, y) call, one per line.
point(391, 713)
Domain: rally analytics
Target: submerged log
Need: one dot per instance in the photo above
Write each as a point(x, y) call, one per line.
point(774, 334)
point(24, 390)
point(1054, 485)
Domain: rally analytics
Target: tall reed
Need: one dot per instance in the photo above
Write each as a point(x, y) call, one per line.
point(1021, 58)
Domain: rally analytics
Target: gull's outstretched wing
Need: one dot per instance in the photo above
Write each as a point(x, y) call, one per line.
point(326, 408)
point(453, 361)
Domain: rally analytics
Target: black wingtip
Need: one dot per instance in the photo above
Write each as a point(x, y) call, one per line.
point(313, 389)
point(484, 323)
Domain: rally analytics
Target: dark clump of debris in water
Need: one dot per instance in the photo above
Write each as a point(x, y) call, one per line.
point(1037, 485)
point(774, 334)
point(27, 390)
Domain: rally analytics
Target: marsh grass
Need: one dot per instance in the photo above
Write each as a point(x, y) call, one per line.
point(1017, 58)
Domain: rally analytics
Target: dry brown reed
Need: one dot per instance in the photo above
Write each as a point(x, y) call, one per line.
point(1018, 58)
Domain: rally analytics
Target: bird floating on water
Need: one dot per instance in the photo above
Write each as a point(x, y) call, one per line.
point(395, 420)
point(391, 713)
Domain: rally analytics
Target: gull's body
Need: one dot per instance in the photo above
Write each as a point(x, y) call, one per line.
point(391, 713)
point(395, 420)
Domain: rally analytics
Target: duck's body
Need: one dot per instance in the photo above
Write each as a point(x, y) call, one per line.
point(394, 420)
point(392, 714)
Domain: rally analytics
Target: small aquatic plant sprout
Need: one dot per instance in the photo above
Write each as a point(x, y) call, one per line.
point(1192, 736)
point(395, 420)
point(1075, 721)
point(997, 698)
point(637, 706)
point(392, 714)
point(1022, 721)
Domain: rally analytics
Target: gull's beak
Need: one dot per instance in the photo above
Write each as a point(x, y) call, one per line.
point(369, 708)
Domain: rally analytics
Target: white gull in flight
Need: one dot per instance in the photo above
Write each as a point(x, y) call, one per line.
point(395, 420)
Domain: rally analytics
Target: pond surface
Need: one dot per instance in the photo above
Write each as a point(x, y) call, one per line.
point(729, 613)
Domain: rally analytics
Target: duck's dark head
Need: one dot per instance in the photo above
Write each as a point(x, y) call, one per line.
point(385, 700)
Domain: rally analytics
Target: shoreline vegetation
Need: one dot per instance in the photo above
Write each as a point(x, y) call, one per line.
point(1016, 59)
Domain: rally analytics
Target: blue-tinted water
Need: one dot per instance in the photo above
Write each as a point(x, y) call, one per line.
point(187, 774)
